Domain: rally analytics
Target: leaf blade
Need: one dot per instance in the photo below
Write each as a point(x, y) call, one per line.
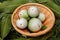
point(5, 26)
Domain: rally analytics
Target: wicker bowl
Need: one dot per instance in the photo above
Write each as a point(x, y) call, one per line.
point(49, 22)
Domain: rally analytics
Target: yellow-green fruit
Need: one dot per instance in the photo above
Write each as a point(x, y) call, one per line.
point(34, 25)
point(21, 23)
point(23, 14)
point(33, 11)
point(41, 16)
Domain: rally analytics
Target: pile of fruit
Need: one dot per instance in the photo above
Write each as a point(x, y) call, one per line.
point(30, 18)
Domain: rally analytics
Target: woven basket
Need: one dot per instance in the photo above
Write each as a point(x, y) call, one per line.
point(49, 22)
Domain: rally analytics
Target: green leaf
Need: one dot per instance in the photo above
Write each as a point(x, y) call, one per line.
point(13, 34)
point(32, 1)
point(1, 15)
point(21, 38)
point(45, 37)
point(1, 0)
point(0, 3)
point(0, 28)
point(5, 25)
point(41, 1)
point(0, 39)
point(11, 5)
point(57, 2)
point(43, 27)
point(55, 8)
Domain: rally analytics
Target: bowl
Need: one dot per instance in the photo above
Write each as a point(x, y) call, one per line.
point(49, 21)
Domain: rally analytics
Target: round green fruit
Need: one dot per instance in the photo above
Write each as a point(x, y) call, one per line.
point(21, 23)
point(34, 25)
point(23, 14)
point(33, 11)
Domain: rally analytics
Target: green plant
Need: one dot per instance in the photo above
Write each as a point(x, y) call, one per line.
point(7, 31)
